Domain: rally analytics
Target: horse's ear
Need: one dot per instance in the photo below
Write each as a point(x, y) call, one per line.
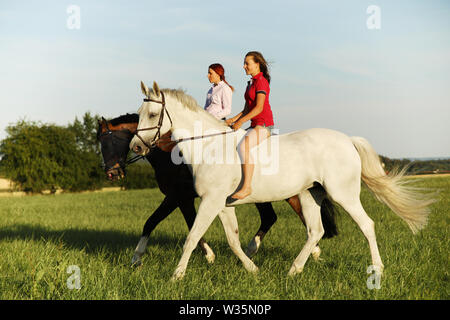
point(144, 89)
point(156, 89)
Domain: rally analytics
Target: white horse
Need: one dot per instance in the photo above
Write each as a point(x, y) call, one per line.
point(304, 158)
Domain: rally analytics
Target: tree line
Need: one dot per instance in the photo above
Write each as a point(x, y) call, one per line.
point(417, 166)
point(37, 157)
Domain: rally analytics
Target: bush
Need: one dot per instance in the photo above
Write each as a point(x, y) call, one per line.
point(38, 157)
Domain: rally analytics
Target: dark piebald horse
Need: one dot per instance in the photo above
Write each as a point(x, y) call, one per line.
point(176, 183)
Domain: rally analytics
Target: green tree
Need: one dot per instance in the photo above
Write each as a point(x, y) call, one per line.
point(86, 133)
point(39, 157)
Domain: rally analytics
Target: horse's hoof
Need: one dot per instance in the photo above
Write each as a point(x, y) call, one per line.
point(209, 254)
point(210, 258)
point(252, 248)
point(254, 269)
point(251, 267)
point(136, 262)
point(294, 270)
point(316, 254)
point(177, 275)
point(250, 252)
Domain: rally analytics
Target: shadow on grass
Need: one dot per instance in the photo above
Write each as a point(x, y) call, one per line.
point(91, 241)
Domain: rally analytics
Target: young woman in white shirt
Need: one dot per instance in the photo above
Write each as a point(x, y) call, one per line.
point(218, 102)
point(219, 97)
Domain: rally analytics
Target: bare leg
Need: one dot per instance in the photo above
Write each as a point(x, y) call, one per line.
point(253, 138)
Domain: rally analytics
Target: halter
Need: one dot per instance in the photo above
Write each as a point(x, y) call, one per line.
point(117, 134)
point(161, 118)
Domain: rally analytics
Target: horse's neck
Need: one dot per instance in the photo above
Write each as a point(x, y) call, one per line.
point(131, 126)
point(187, 123)
point(159, 159)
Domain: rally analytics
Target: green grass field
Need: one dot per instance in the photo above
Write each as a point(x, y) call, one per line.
point(41, 236)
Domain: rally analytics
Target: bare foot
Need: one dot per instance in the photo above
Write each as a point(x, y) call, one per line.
point(241, 194)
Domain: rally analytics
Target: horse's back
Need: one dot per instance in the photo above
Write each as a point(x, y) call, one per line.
point(303, 158)
point(321, 135)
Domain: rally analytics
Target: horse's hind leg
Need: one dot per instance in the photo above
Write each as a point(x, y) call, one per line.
point(187, 208)
point(311, 212)
point(268, 218)
point(348, 198)
point(166, 207)
point(295, 204)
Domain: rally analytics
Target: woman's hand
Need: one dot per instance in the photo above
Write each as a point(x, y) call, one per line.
point(229, 122)
point(237, 125)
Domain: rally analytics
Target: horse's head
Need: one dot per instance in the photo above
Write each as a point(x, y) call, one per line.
point(154, 120)
point(115, 139)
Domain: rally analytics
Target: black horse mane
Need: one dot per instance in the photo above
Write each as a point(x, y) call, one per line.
point(126, 118)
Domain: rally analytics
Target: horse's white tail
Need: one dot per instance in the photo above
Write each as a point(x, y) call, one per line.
point(407, 202)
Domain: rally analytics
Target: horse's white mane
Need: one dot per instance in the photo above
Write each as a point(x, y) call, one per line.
point(190, 103)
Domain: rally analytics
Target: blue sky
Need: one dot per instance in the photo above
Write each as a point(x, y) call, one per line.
point(328, 69)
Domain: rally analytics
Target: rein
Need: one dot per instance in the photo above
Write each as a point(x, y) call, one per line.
point(201, 137)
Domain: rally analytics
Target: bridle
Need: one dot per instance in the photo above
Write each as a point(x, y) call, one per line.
point(118, 134)
point(160, 121)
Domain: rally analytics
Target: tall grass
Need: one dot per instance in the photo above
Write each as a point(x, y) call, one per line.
point(41, 236)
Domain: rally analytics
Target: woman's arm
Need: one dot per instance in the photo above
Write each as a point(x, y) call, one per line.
point(238, 116)
point(227, 99)
point(244, 117)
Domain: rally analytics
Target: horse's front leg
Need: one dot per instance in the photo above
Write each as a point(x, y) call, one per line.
point(208, 210)
point(166, 207)
point(268, 218)
point(187, 208)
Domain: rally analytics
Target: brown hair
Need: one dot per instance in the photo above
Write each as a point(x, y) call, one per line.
point(263, 65)
point(217, 67)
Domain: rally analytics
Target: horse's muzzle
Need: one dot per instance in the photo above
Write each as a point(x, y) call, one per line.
point(138, 147)
point(115, 173)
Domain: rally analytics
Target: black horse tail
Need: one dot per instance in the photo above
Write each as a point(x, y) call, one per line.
point(328, 213)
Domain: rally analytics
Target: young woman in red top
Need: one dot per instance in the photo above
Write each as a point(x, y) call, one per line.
point(257, 109)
